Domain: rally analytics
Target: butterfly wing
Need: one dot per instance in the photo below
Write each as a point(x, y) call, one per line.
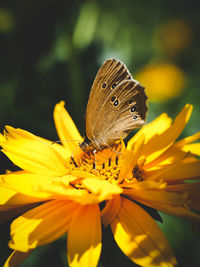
point(129, 102)
point(109, 115)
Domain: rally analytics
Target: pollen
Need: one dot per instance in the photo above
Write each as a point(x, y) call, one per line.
point(103, 164)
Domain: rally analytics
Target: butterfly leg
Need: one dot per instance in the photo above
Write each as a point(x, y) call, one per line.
point(94, 164)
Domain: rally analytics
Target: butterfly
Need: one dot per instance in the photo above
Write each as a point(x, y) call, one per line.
point(116, 105)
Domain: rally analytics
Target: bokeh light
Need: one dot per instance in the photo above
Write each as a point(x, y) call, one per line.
point(163, 81)
point(7, 22)
point(173, 37)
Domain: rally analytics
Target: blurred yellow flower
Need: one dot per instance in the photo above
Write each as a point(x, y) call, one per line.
point(163, 81)
point(6, 20)
point(60, 194)
point(173, 37)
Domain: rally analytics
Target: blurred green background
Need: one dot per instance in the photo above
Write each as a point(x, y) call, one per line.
point(51, 50)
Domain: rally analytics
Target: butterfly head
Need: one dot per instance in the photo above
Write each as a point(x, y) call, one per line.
point(88, 144)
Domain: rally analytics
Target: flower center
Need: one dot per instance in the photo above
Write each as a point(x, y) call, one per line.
point(104, 163)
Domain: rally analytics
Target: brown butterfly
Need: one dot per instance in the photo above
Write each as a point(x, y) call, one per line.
point(116, 105)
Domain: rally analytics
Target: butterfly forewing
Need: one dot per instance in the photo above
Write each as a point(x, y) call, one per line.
point(116, 105)
point(109, 75)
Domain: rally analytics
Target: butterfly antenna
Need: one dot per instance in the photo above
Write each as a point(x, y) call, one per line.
point(59, 141)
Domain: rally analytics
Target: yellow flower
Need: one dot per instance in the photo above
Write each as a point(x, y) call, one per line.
point(163, 81)
point(60, 194)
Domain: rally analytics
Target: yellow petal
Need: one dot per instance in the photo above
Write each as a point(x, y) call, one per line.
point(176, 172)
point(58, 190)
point(6, 194)
point(158, 126)
point(103, 189)
point(140, 238)
point(185, 144)
point(188, 140)
point(161, 142)
point(8, 212)
point(192, 190)
point(13, 203)
point(16, 258)
point(83, 174)
point(34, 156)
point(42, 187)
point(2, 138)
point(26, 184)
point(84, 237)
point(146, 184)
point(16, 133)
point(192, 148)
point(172, 155)
point(131, 158)
point(111, 210)
point(93, 191)
point(66, 128)
point(167, 202)
point(41, 225)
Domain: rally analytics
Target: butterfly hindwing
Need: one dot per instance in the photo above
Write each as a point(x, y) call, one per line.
point(124, 110)
point(117, 104)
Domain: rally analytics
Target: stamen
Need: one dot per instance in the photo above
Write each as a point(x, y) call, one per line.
point(104, 164)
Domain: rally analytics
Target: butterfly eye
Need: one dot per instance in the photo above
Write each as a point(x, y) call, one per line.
point(114, 85)
point(116, 103)
point(104, 85)
point(133, 109)
point(134, 117)
point(130, 101)
point(113, 99)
